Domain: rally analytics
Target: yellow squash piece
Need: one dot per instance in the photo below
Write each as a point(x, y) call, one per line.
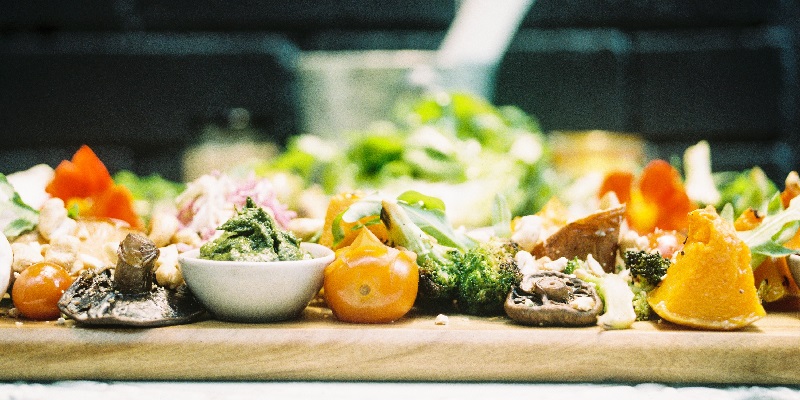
point(711, 284)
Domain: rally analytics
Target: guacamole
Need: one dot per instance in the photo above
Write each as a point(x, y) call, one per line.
point(253, 235)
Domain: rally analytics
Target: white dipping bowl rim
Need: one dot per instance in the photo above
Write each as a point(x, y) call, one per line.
point(256, 291)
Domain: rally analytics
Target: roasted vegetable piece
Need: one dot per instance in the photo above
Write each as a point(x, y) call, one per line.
point(126, 294)
point(649, 267)
point(711, 284)
point(772, 234)
point(657, 199)
point(774, 280)
point(486, 274)
point(337, 205)
point(135, 266)
point(596, 234)
point(83, 176)
point(476, 278)
point(551, 298)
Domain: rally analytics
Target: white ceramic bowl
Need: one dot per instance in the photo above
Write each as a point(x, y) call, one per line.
point(256, 291)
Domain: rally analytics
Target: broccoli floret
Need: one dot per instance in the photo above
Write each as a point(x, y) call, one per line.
point(647, 267)
point(640, 305)
point(647, 270)
point(486, 274)
point(438, 279)
point(614, 290)
point(476, 278)
point(572, 265)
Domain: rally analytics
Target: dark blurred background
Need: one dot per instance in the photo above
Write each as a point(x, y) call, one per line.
point(138, 80)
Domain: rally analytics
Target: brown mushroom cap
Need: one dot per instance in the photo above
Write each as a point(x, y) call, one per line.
point(546, 299)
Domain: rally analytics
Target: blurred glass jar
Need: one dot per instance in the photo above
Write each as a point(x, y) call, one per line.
point(344, 91)
point(578, 153)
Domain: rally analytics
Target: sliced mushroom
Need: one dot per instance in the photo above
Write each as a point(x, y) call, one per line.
point(596, 234)
point(551, 298)
point(126, 294)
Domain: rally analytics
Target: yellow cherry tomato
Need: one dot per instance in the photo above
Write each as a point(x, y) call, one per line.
point(369, 282)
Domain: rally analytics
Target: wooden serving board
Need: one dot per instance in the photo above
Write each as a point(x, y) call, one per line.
point(317, 347)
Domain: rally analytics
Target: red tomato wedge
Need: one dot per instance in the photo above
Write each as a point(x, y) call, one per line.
point(84, 176)
point(115, 202)
point(85, 181)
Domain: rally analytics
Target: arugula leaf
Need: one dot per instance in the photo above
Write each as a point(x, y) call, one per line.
point(767, 239)
point(337, 230)
point(727, 213)
point(367, 207)
point(427, 202)
point(16, 217)
point(426, 212)
point(501, 216)
point(434, 222)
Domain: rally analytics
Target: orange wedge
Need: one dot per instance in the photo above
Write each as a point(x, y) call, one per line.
point(711, 284)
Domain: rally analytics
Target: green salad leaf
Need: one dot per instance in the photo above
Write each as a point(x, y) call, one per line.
point(434, 140)
point(153, 187)
point(750, 188)
point(426, 212)
point(16, 217)
point(777, 227)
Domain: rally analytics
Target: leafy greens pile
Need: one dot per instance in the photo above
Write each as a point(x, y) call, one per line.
point(441, 141)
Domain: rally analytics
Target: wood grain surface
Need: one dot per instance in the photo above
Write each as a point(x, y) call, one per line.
point(317, 347)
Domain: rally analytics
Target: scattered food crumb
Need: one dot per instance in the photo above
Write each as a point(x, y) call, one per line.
point(61, 321)
point(441, 319)
point(18, 324)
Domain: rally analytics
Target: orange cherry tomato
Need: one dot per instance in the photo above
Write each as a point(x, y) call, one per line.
point(369, 282)
point(38, 288)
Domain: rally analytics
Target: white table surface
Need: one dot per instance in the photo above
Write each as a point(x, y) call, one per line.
point(89, 390)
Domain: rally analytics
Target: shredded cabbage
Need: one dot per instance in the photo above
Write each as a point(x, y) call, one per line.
point(212, 199)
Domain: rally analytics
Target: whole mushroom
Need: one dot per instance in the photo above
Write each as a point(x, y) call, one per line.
point(550, 298)
point(126, 294)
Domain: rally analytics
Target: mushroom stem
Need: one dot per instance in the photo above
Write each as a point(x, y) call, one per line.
point(135, 267)
point(552, 288)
